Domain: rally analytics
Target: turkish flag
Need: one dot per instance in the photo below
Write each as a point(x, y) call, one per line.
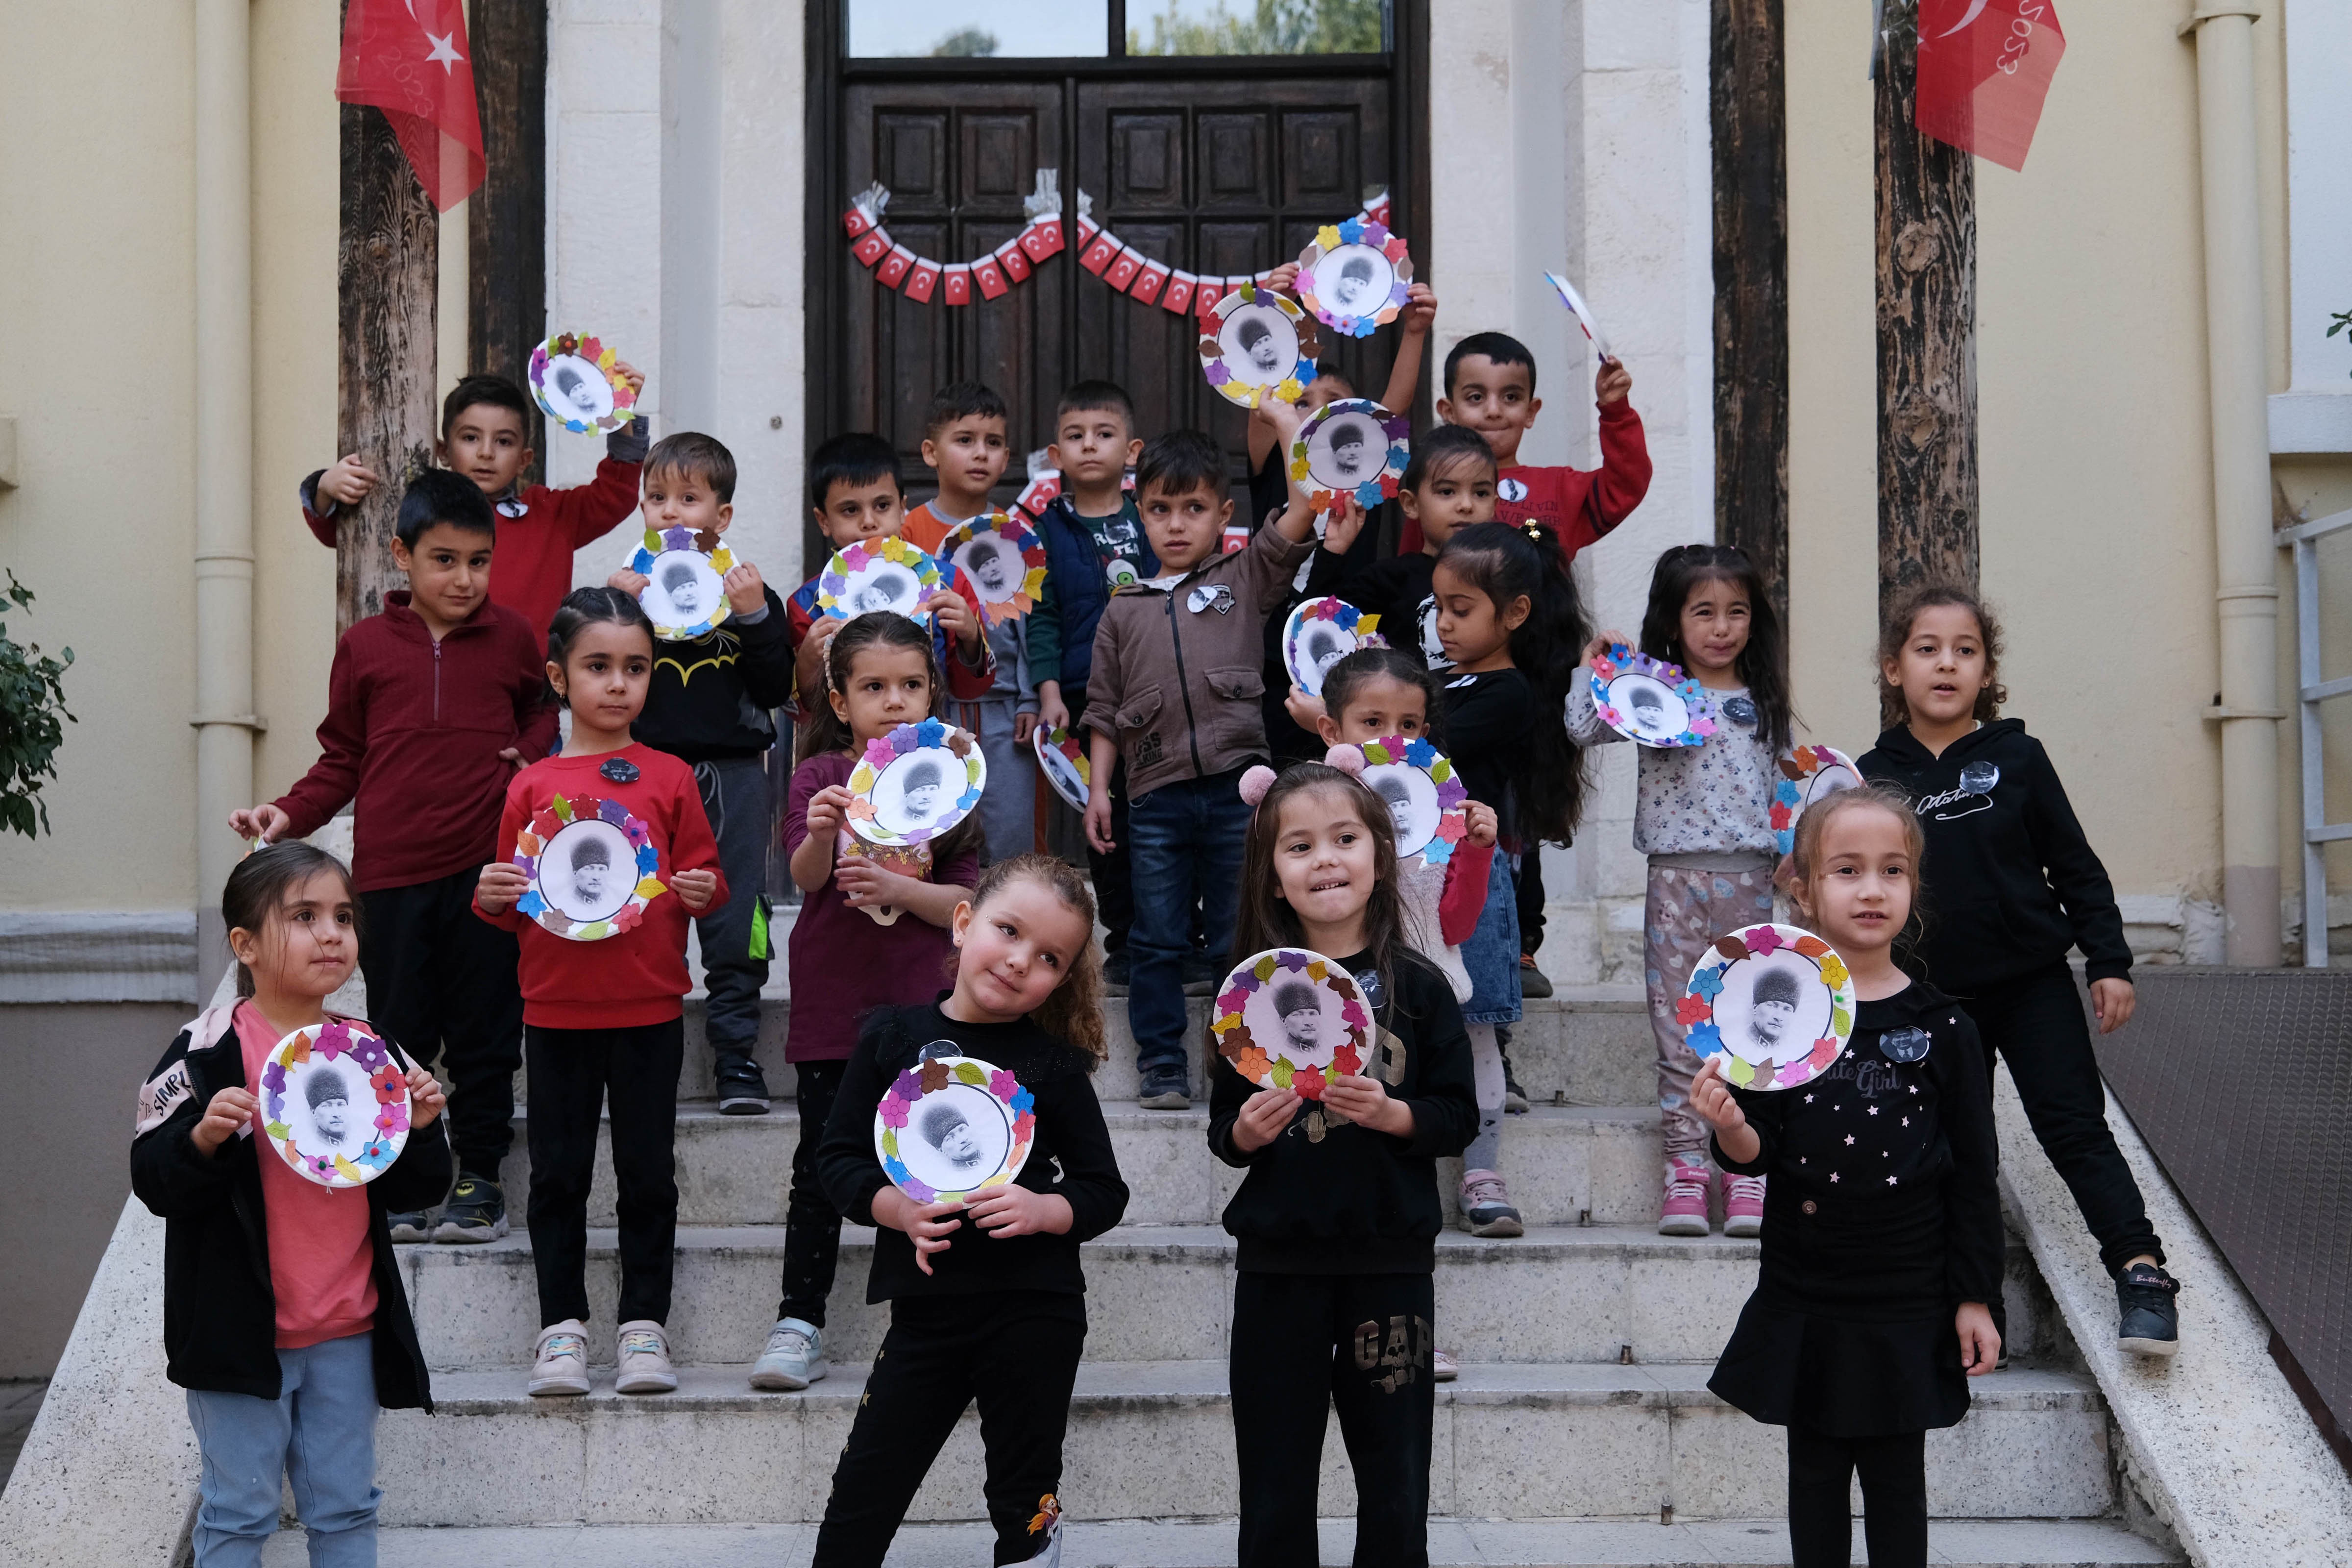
point(1149, 281)
point(1123, 269)
point(1177, 295)
point(409, 59)
point(922, 280)
point(955, 282)
point(1206, 292)
point(988, 272)
point(1042, 239)
point(1984, 70)
point(893, 270)
point(1015, 260)
point(871, 245)
point(1100, 252)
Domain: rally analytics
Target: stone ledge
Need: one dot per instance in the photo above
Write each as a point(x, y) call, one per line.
point(98, 955)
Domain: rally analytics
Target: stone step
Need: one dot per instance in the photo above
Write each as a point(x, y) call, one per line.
point(1583, 1294)
point(1154, 1544)
point(1152, 1440)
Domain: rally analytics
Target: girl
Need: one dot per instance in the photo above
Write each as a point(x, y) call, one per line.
point(284, 1316)
point(1873, 1297)
point(1703, 817)
point(995, 1310)
point(2020, 885)
point(1336, 1219)
point(1509, 623)
point(867, 937)
point(608, 1014)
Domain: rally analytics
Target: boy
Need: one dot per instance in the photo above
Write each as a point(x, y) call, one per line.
point(709, 704)
point(1173, 693)
point(486, 438)
point(964, 443)
point(431, 706)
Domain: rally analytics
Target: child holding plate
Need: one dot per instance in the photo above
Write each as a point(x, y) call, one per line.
point(603, 982)
point(285, 1316)
point(1338, 1228)
point(1871, 1310)
point(987, 1295)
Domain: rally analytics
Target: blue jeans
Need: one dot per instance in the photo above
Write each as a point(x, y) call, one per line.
point(1492, 953)
point(319, 1432)
point(1186, 844)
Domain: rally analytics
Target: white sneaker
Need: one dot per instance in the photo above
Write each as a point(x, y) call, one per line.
point(559, 1361)
point(644, 1359)
point(795, 1357)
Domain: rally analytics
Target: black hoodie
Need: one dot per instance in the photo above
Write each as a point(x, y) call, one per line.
point(2010, 883)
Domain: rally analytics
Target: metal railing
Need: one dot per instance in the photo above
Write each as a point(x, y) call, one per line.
point(2311, 691)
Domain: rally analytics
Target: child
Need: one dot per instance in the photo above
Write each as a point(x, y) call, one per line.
point(1703, 815)
point(1174, 696)
point(708, 705)
point(995, 1310)
point(486, 438)
point(1509, 623)
point(1269, 449)
point(963, 442)
point(1872, 1300)
point(882, 671)
point(604, 1016)
point(284, 1314)
point(431, 706)
point(2019, 884)
point(1335, 1220)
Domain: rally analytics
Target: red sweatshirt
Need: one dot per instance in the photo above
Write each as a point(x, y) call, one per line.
point(636, 977)
point(1581, 505)
point(412, 731)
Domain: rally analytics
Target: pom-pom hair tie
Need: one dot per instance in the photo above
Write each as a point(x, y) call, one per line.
point(1349, 759)
point(1256, 783)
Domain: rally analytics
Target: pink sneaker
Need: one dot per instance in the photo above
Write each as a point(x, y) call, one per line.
point(1743, 1204)
point(1684, 1212)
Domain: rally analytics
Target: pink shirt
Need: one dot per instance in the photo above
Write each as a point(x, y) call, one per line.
point(322, 1258)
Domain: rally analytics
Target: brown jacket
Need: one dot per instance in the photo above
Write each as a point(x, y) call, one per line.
point(1179, 672)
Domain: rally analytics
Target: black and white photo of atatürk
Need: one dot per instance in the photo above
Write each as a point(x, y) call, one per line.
point(1354, 280)
point(956, 1138)
point(1773, 1007)
point(1411, 795)
point(1345, 450)
point(1260, 345)
point(579, 387)
point(918, 789)
point(682, 589)
point(1651, 709)
point(587, 871)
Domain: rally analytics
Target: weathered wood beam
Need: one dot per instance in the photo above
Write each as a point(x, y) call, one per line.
point(507, 224)
point(1749, 115)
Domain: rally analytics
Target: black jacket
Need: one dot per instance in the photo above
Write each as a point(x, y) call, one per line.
point(1334, 1198)
point(2010, 881)
point(712, 697)
point(220, 1314)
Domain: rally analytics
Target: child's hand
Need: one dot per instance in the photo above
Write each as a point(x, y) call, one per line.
point(926, 1225)
point(746, 592)
point(1024, 726)
point(348, 482)
point(512, 755)
point(228, 1110)
point(1098, 821)
point(1613, 384)
point(630, 582)
point(262, 821)
point(1712, 1098)
point(1600, 644)
point(695, 889)
point(499, 885)
point(1480, 825)
point(1284, 417)
point(630, 373)
point(1305, 712)
point(2113, 1001)
point(862, 882)
point(1015, 1210)
point(1263, 1116)
point(1365, 1102)
point(1284, 279)
point(1979, 1341)
point(828, 812)
point(1052, 713)
point(426, 1098)
point(955, 617)
point(1340, 533)
point(1420, 312)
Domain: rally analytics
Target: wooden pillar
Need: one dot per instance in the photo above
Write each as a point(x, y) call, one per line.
point(1927, 334)
point(506, 298)
point(1748, 112)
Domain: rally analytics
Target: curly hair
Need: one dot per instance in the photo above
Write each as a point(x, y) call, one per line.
point(1073, 1013)
point(1802, 867)
point(1894, 630)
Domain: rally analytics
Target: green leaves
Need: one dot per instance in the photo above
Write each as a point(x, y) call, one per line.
point(32, 700)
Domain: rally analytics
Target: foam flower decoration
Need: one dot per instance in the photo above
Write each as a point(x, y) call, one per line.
point(1781, 812)
point(1691, 1010)
point(1309, 1083)
point(627, 917)
point(1764, 941)
point(1024, 1126)
point(1351, 1012)
point(1707, 983)
point(1347, 1061)
point(1825, 1050)
point(933, 1076)
point(1251, 1063)
point(1291, 959)
point(892, 1110)
point(1022, 1101)
point(907, 1086)
point(546, 823)
point(387, 1081)
point(1002, 1084)
point(392, 1118)
point(273, 1078)
point(612, 812)
point(1704, 1039)
point(530, 906)
point(1833, 970)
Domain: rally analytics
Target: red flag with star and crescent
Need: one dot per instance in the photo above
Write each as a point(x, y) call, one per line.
point(409, 59)
point(1984, 70)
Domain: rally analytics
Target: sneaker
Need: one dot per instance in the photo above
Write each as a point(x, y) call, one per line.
point(1743, 1204)
point(1684, 1212)
point(2147, 1316)
point(415, 1225)
point(743, 1089)
point(1533, 982)
point(559, 1360)
point(1118, 968)
point(1165, 1088)
point(1202, 975)
point(1515, 1099)
point(1486, 1206)
point(477, 1212)
point(1443, 1367)
point(795, 1357)
point(645, 1360)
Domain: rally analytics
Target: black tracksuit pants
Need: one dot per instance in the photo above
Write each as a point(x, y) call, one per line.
point(1303, 1343)
point(1015, 1351)
point(1894, 1499)
point(571, 1072)
point(442, 982)
point(811, 1226)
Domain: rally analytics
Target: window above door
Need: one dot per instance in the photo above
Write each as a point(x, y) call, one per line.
point(980, 30)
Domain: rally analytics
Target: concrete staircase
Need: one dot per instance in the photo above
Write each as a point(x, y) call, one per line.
point(1580, 1427)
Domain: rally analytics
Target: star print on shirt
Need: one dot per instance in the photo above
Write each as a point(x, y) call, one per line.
point(1890, 1181)
point(1849, 1137)
point(1915, 1089)
point(1808, 1099)
point(1874, 1110)
point(1906, 1121)
point(1833, 1175)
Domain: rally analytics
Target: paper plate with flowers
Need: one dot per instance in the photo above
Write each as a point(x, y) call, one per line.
point(881, 574)
point(1774, 1000)
point(1002, 559)
point(1651, 701)
point(334, 1103)
point(1355, 275)
point(949, 1128)
point(1251, 348)
point(1351, 449)
point(685, 594)
point(592, 868)
point(1289, 1018)
point(576, 380)
point(1808, 774)
point(916, 782)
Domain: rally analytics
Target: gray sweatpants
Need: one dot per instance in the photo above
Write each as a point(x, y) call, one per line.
point(1008, 805)
point(734, 935)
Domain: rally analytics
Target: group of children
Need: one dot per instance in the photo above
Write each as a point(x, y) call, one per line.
point(1152, 638)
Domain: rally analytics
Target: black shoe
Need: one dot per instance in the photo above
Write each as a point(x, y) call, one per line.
point(1118, 968)
point(1202, 975)
point(476, 1211)
point(2148, 1318)
point(743, 1089)
point(1165, 1088)
point(414, 1226)
point(1533, 982)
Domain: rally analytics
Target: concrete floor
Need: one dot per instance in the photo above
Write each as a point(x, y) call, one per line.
point(19, 1402)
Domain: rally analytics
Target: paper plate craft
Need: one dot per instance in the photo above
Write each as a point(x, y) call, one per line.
point(884, 573)
point(592, 868)
point(1776, 1003)
point(916, 782)
point(1649, 701)
point(1354, 276)
point(1352, 449)
point(1063, 757)
point(1292, 1019)
point(1575, 301)
point(334, 1104)
point(573, 378)
point(907, 859)
point(1250, 347)
point(1808, 773)
point(1004, 560)
point(1318, 635)
point(1425, 795)
point(684, 596)
point(951, 1127)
